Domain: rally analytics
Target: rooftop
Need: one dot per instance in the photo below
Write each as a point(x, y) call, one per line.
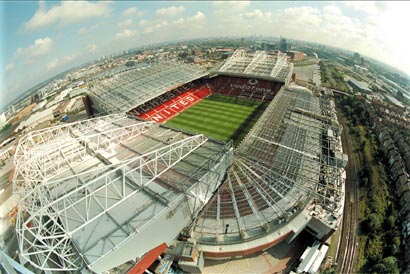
point(290, 158)
point(103, 185)
point(259, 64)
point(361, 85)
point(126, 90)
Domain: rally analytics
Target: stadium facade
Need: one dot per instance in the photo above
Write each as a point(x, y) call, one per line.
point(104, 191)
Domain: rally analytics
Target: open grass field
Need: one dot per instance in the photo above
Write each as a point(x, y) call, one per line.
point(220, 117)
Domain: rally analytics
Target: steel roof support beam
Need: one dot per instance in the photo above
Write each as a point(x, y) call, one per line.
point(280, 62)
point(48, 161)
point(287, 147)
point(262, 192)
point(236, 56)
point(262, 220)
point(236, 209)
point(259, 57)
point(154, 164)
point(54, 133)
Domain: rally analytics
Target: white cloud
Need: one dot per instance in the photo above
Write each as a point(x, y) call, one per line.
point(332, 10)
point(365, 6)
point(67, 12)
point(69, 58)
point(126, 34)
point(389, 28)
point(223, 7)
point(192, 21)
point(91, 29)
point(381, 25)
point(52, 64)
point(40, 47)
point(232, 15)
point(199, 16)
point(192, 26)
point(124, 24)
point(179, 21)
point(170, 11)
point(133, 11)
point(9, 67)
point(91, 47)
point(257, 14)
point(156, 26)
point(306, 17)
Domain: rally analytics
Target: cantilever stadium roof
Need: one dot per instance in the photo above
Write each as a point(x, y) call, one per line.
point(96, 191)
point(260, 64)
point(285, 160)
point(126, 90)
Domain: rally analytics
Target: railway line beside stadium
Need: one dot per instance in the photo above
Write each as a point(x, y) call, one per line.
point(347, 248)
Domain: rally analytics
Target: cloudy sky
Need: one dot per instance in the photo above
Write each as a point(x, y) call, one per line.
point(42, 39)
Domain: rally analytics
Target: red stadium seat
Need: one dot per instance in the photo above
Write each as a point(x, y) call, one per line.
point(176, 101)
point(173, 102)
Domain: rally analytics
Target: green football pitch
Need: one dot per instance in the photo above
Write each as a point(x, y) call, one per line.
point(220, 117)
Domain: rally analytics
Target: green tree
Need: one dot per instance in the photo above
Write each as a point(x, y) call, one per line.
point(374, 222)
point(347, 110)
point(329, 271)
point(391, 265)
point(374, 250)
point(378, 268)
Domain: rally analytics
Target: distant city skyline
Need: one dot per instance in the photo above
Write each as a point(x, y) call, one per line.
point(42, 39)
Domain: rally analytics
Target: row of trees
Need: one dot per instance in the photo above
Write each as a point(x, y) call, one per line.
point(380, 225)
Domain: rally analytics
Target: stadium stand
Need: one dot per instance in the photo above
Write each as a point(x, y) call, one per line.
point(160, 110)
point(254, 89)
point(278, 167)
point(259, 64)
point(126, 90)
point(169, 104)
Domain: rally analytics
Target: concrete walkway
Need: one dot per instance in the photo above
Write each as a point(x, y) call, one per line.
point(278, 259)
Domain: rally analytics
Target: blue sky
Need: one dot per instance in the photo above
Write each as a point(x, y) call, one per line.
point(42, 39)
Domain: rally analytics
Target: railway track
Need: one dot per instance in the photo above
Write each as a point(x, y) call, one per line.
point(345, 256)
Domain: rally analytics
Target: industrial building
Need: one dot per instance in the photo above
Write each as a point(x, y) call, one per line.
point(296, 55)
point(36, 119)
point(312, 258)
point(361, 86)
point(107, 190)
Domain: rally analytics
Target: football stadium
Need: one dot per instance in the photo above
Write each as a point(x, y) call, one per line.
point(227, 162)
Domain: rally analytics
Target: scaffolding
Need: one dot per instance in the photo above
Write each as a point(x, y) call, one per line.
point(259, 64)
point(288, 161)
point(126, 90)
point(94, 191)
